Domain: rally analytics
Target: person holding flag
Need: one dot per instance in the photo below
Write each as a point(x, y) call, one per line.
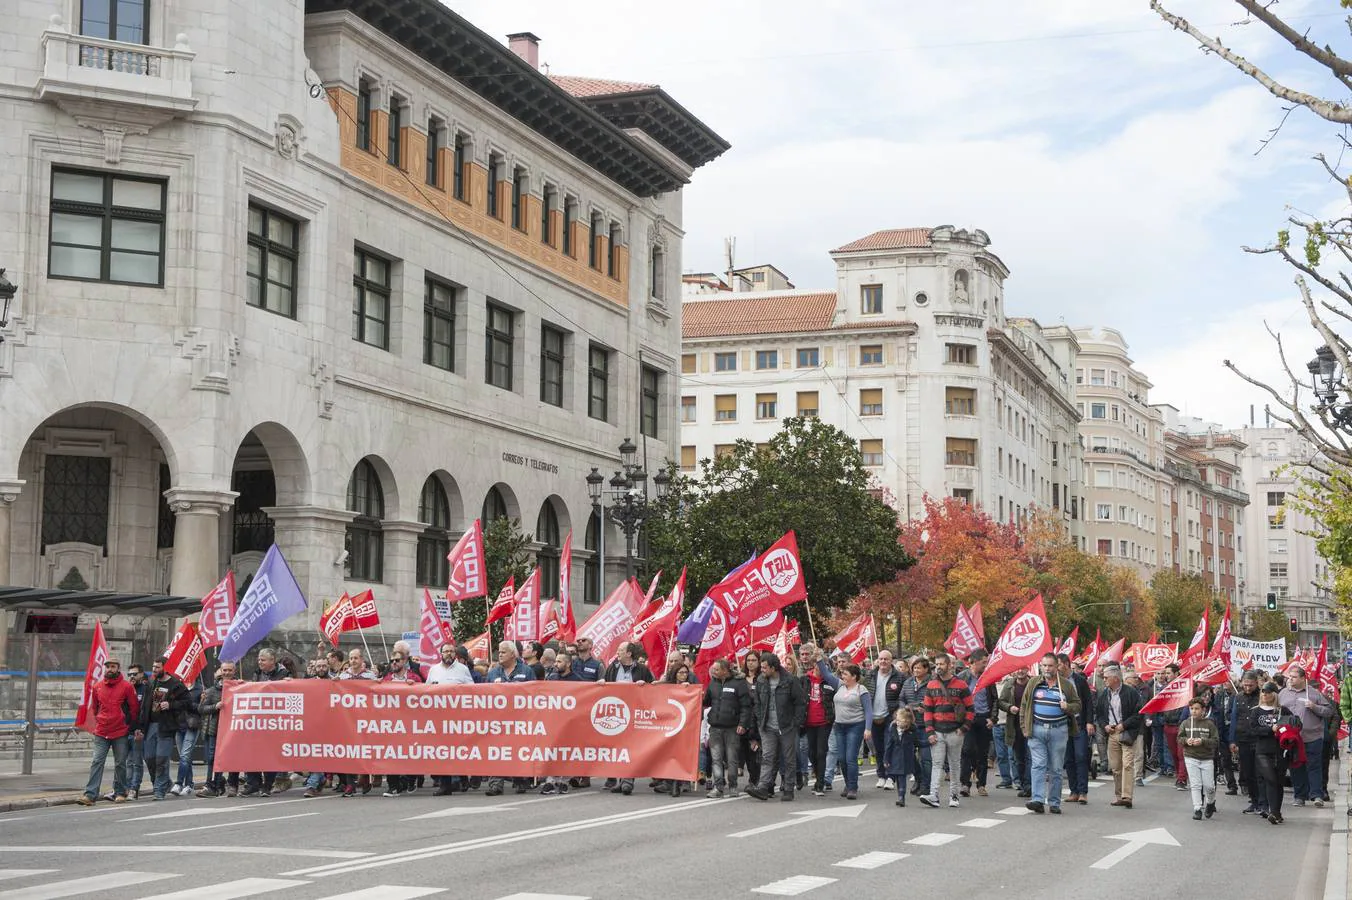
point(1049, 717)
point(1312, 708)
point(166, 703)
point(113, 712)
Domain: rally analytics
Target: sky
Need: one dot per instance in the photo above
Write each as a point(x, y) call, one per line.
point(1113, 164)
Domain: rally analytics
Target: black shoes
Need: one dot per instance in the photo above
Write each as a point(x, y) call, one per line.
point(1035, 806)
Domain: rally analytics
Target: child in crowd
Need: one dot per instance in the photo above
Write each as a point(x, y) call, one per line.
point(900, 749)
point(1198, 737)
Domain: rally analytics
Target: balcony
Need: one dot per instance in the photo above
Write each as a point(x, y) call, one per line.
point(112, 86)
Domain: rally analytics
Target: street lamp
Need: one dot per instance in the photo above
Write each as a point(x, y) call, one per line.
point(628, 495)
point(7, 291)
point(1324, 379)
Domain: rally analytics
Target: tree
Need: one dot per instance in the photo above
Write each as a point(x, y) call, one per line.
point(1320, 414)
point(1268, 625)
point(809, 478)
point(506, 555)
point(1179, 600)
point(1327, 499)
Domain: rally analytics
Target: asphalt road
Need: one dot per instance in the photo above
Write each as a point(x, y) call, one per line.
point(590, 844)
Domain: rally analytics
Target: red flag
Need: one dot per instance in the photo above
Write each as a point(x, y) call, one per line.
point(1173, 696)
point(655, 627)
point(502, 607)
point(551, 621)
point(218, 610)
point(1114, 653)
point(773, 580)
point(98, 655)
point(795, 636)
point(1221, 646)
point(435, 632)
point(974, 613)
point(652, 589)
point(334, 620)
point(1150, 658)
point(781, 645)
point(364, 613)
point(965, 637)
point(718, 642)
point(760, 633)
point(1323, 672)
point(1025, 640)
point(857, 637)
point(1068, 645)
point(1215, 670)
point(567, 624)
point(186, 656)
point(524, 624)
point(479, 647)
point(1196, 653)
point(1090, 655)
point(613, 621)
point(468, 571)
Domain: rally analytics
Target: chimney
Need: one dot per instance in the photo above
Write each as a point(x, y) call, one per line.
point(527, 46)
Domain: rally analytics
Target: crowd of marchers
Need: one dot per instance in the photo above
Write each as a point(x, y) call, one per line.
point(781, 725)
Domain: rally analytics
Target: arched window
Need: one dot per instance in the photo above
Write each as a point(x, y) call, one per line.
point(365, 540)
point(547, 533)
point(495, 506)
point(591, 590)
point(434, 511)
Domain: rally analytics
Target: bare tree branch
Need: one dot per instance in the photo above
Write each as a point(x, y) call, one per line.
point(1325, 109)
point(1322, 55)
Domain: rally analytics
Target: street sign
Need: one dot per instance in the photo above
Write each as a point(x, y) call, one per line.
point(1347, 657)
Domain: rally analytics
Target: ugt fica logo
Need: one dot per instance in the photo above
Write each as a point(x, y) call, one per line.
point(610, 716)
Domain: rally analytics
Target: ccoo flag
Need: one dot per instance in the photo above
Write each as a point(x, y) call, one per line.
point(272, 598)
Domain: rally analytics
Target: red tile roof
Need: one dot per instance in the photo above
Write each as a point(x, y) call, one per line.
point(889, 239)
point(581, 86)
point(773, 314)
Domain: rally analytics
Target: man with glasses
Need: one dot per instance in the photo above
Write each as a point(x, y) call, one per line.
point(136, 767)
point(166, 702)
point(509, 670)
point(113, 709)
point(262, 783)
point(400, 673)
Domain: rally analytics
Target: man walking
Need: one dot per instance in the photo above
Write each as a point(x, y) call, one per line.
point(114, 710)
point(509, 670)
point(1117, 710)
point(1077, 745)
point(262, 783)
point(948, 717)
point(728, 700)
point(884, 685)
point(626, 669)
point(136, 766)
point(1312, 708)
point(781, 710)
point(976, 747)
point(1048, 716)
point(166, 702)
point(209, 707)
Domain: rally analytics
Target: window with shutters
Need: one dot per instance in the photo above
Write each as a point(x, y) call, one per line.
point(725, 408)
point(807, 404)
point(689, 364)
point(959, 401)
point(871, 355)
point(688, 458)
point(871, 402)
point(960, 451)
point(767, 406)
point(687, 410)
point(872, 451)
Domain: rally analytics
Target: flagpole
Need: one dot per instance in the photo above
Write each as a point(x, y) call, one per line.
point(810, 627)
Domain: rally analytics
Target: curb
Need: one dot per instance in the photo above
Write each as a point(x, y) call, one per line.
point(1335, 882)
point(38, 802)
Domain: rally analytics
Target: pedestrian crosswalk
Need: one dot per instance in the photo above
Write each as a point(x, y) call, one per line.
point(51, 884)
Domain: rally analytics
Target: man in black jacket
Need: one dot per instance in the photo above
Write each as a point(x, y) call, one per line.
point(167, 701)
point(1242, 742)
point(781, 710)
point(269, 669)
point(627, 669)
point(728, 700)
point(1077, 748)
point(1117, 710)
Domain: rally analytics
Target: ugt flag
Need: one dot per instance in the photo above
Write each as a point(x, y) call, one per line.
point(1024, 641)
point(272, 598)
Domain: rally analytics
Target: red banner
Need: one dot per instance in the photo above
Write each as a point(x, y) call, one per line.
point(857, 637)
point(502, 606)
point(613, 622)
point(364, 613)
point(524, 623)
point(186, 656)
point(567, 623)
point(1175, 695)
point(1114, 653)
point(964, 638)
point(468, 572)
point(480, 647)
point(333, 621)
point(773, 581)
point(434, 632)
point(1023, 642)
point(218, 610)
point(98, 655)
point(1150, 658)
point(580, 729)
point(655, 626)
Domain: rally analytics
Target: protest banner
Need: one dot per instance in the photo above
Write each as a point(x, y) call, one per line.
point(1265, 655)
point(573, 729)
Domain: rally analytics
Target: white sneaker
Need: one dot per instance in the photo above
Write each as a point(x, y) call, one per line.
point(173, 789)
point(882, 784)
point(889, 784)
point(952, 802)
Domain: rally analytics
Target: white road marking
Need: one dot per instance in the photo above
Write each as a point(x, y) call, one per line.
point(982, 823)
point(1014, 811)
point(405, 856)
point(209, 848)
point(871, 860)
point(206, 808)
point(10, 874)
point(543, 897)
point(792, 887)
point(14, 819)
point(229, 890)
point(934, 839)
point(1135, 840)
point(231, 824)
point(94, 884)
point(839, 812)
point(501, 807)
point(385, 891)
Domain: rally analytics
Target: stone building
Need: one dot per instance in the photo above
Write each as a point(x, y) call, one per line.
point(341, 274)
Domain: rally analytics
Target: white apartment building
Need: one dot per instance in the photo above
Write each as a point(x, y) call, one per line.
point(342, 274)
point(1127, 490)
point(1281, 558)
point(913, 354)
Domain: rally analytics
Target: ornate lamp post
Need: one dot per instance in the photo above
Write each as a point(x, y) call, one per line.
point(1326, 380)
point(7, 291)
point(628, 495)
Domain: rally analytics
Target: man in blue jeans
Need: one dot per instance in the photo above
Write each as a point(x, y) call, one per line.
point(166, 704)
point(1312, 708)
point(113, 710)
point(1049, 716)
point(136, 767)
point(1077, 745)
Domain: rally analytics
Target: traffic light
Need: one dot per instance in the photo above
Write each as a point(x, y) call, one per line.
point(1295, 624)
point(1272, 600)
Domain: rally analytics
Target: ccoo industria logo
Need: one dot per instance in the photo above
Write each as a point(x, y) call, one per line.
point(269, 704)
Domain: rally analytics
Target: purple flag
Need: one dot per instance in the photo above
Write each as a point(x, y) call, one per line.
point(693, 628)
point(272, 598)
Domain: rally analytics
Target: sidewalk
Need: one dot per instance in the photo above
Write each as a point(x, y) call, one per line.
point(52, 784)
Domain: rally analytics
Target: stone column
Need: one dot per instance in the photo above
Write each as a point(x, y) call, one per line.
point(197, 539)
point(400, 578)
point(10, 488)
point(311, 539)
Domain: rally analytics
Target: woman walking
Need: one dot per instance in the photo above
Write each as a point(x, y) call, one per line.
point(852, 702)
point(1264, 720)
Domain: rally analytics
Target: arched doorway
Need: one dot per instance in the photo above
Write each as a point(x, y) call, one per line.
point(365, 534)
point(434, 511)
point(269, 470)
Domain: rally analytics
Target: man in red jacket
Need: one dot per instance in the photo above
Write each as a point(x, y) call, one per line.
point(113, 709)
